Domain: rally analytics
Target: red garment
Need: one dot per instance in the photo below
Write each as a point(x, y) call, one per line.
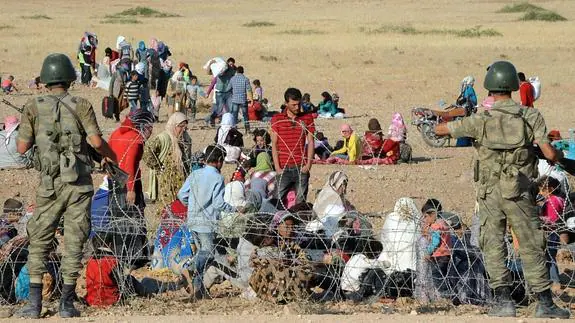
point(115, 55)
point(291, 135)
point(372, 144)
point(254, 111)
point(526, 92)
point(391, 150)
point(101, 289)
point(128, 146)
point(444, 248)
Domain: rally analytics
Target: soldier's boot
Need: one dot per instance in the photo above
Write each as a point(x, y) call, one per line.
point(503, 305)
point(33, 309)
point(546, 308)
point(67, 308)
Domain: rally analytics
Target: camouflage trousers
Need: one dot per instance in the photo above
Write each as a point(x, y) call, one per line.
point(495, 213)
point(72, 203)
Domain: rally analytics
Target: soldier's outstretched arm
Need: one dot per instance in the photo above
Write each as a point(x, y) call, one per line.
point(550, 153)
point(102, 147)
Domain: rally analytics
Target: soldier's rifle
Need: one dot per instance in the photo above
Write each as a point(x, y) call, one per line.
point(8, 103)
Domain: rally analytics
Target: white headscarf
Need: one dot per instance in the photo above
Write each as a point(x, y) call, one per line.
point(119, 41)
point(399, 235)
point(328, 198)
point(225, 126)
point(140, 68)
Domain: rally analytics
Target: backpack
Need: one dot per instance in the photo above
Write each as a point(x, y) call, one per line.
point(507, 130)
point(536, 84)
point(109, 106)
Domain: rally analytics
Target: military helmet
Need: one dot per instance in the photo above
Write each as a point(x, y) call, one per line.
point(501, 77)
point(57, 68)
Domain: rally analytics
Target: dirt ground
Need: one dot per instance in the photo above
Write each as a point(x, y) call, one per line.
point(319, 46)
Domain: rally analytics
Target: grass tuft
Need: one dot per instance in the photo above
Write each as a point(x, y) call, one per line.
point(302, 32)
point(37, 17)
point(545, 15)
point(2, 27)
point(256, 23)
point(142, 12)
point(474, 32)
point(520, 7)
point(121, 21)
point(269, 58)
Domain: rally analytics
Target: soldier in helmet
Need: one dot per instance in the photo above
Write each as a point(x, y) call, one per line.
point(61, 127)
point(505, 166)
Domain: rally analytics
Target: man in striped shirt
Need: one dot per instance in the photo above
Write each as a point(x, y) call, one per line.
point(291, 130)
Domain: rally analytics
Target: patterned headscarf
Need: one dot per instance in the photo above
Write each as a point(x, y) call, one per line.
point(397, 130)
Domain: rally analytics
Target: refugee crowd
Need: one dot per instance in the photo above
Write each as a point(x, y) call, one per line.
point(257, 229)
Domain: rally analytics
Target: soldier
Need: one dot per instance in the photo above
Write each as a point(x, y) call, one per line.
point(505, 165)
point(61, 127)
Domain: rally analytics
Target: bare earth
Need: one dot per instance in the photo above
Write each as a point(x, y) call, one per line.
point(317, 46)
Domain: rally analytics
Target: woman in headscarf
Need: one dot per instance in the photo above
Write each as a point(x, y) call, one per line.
point(262, 179)
point(142, 57)
point(399, 236)
point(330, 205)
point(230, 138)
point(127, 142)
point(373, 140)
point(168, 156)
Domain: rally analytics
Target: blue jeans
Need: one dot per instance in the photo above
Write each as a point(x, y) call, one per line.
point(236, 107)
point(223, 102)
point(342, 156)
point(551, 256)
point(133, 105)
point(204, 241)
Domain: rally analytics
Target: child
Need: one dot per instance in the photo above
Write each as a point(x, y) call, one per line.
point(102, 278)
point(132, 92)
point(322, 147)
point(552, 207)
point(306, 104)
point(8, 85)
point(194, 89)
point(258, 91)
point(438, 251)
point(156, 103)
point(262, 141)
point(203, 194)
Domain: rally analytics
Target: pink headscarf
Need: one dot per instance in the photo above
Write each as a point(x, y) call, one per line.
point(10, 125)
point(397, 130)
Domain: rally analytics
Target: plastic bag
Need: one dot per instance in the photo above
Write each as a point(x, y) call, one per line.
point(217, 65)
point(536, 83)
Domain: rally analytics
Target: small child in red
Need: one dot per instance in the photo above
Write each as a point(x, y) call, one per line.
point(101, 279)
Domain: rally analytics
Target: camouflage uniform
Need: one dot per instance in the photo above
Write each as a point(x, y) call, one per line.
point(503, 182)
point(65, 179)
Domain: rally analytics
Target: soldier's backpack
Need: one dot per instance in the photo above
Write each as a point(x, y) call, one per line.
point(109, 106)
point(506, 130)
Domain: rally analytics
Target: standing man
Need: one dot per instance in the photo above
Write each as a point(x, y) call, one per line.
point(61, 127)
point(291, 131)
point(241, 94)
point(525, 91)
point(505, 166)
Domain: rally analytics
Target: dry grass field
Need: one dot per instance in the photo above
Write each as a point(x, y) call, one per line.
point(379, 56)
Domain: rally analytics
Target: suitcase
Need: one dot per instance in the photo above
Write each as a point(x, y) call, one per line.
point(109, 106)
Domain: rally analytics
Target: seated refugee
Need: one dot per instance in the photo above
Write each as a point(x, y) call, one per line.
point(262, 142)
point(363, 275)
point(340, 110)
point(373, 140)
point(9, 156)
point(327, 108)
point(330, 204)
point(551, 214)
point(232, 224)
point(322, 147)
point(351, 150)
point(263, 178)
point(438, 251)
point(8, 85)
point(466, 272)
point(306, 105)
point(282, 270)
point(230, 138)
point(399, 236)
